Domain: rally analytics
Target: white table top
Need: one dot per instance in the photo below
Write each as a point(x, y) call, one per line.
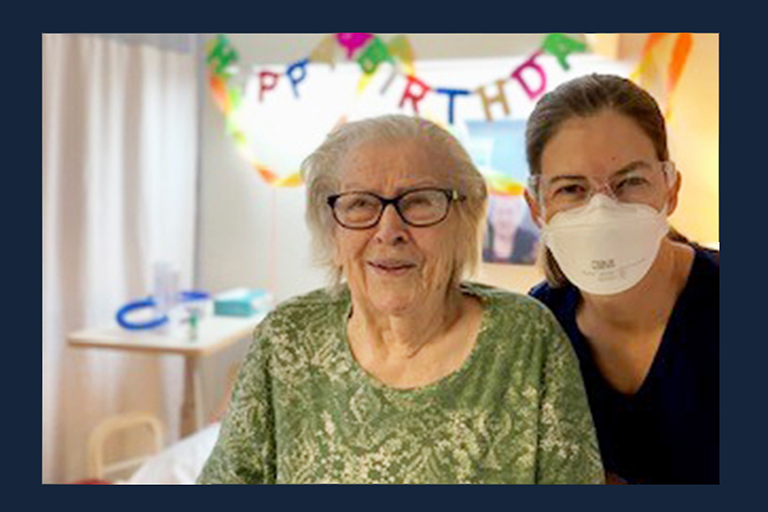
point(214, 334)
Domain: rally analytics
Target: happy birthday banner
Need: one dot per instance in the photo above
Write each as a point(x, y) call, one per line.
point(370, 51)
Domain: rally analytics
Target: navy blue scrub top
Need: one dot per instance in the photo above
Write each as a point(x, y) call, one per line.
point(667, 432)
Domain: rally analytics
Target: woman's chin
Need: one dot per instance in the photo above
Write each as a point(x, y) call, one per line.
point(393, 302)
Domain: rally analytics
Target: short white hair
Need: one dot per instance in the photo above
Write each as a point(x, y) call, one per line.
point(320, 172)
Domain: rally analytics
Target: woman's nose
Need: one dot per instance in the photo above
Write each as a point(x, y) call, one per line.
point(391, 228)
point(602, 188)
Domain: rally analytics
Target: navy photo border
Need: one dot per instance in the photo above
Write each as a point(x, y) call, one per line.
point(742, 352)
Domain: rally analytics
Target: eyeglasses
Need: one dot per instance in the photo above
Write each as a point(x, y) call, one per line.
point(640, 182)
point(421, 207)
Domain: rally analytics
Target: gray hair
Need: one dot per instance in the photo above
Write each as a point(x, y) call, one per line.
point(320, 172)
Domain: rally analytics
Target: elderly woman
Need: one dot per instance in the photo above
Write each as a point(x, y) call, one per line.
point(404, 373)
point(640, 306)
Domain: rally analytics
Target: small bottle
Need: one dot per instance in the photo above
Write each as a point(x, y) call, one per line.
point(194, 322)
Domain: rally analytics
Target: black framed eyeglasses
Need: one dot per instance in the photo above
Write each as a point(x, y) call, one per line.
point(422, 207)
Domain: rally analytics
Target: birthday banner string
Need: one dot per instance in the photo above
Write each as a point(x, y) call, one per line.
point(370, 51)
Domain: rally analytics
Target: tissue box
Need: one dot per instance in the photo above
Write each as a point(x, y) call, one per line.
point(242, 302)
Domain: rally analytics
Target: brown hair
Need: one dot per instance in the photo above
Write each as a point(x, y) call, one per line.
point(586, 96)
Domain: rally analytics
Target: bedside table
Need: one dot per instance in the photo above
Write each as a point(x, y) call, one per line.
point(215, 333)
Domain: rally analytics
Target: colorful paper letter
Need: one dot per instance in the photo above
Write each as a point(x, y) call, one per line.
point(452, 93)
point(389, 80)
point(223, 54)
point(517, 74)
point(301, 67)
point(409, 94)
point(352, 41)
point(560, 46)
point(267, 82)
point(499, 98)
point(374, 54)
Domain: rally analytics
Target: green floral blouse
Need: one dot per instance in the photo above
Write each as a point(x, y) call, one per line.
point(304, 411)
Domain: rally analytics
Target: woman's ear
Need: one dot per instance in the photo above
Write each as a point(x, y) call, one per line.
point(533, 205)
point(673, 193)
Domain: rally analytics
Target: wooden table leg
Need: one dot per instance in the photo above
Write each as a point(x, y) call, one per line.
point(192, 413)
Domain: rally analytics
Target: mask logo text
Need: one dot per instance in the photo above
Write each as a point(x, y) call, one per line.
point(603, 264)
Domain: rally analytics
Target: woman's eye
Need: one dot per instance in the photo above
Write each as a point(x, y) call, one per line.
point(632, 181)
point(569, 190)
point(359, 204)
point(417, 201)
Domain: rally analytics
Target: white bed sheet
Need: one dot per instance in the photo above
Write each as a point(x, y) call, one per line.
point(180, 463)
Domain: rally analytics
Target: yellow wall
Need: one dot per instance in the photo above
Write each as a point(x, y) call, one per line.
point(693, 131)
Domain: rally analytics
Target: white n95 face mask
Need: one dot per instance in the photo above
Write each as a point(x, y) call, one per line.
point(606, 247)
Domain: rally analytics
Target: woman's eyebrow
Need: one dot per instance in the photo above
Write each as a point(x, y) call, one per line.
point(359, 187)
point(632, 166)
point(564, 177)
point(417, 185)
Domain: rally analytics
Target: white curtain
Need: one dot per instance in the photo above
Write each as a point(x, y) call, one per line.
point(119, 194)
